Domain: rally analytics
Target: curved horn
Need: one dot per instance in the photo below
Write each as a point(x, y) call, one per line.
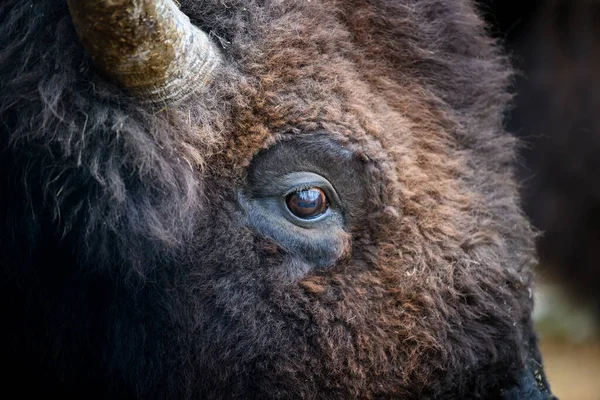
point(148, 47)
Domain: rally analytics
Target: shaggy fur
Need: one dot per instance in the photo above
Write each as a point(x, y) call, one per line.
point(556, 46)
point(128, 269)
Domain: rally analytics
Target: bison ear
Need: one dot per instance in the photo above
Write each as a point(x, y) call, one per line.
point(147, 47)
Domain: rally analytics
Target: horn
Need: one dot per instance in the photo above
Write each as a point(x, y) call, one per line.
point(147, 47)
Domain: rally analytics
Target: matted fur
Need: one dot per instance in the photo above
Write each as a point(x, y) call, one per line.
point(129, 271)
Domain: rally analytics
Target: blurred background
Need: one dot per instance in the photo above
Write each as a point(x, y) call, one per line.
point(555, 46)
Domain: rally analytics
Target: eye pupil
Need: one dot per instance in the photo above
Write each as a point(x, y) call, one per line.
point(307, 204)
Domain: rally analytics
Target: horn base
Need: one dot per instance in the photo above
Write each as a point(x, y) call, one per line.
point(147, 47)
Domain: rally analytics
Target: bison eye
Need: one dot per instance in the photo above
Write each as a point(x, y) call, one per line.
point(307, 203)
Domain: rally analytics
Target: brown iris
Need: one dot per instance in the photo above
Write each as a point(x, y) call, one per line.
point(308, 203)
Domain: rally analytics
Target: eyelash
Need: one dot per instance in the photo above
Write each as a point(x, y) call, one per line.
point(307, 186)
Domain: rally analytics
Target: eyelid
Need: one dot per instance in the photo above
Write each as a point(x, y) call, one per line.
point(275, 189)
point(307, 186)
point(312, 181)
point(282, 185)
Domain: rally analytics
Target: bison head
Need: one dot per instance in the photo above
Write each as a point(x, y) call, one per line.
point(260, 199)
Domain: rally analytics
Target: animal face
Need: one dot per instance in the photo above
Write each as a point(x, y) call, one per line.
point(326, 210)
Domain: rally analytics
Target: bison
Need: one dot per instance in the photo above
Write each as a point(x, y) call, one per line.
point(260, 199)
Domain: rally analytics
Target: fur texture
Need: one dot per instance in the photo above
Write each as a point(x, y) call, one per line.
point(128, 270)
